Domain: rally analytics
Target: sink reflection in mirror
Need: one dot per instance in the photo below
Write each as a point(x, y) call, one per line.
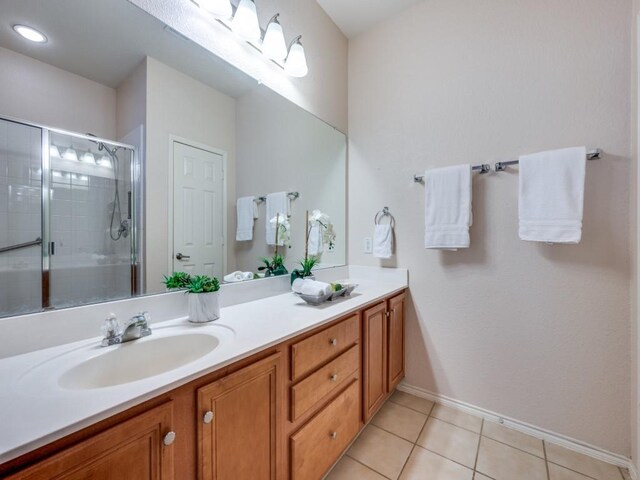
point(204, 134)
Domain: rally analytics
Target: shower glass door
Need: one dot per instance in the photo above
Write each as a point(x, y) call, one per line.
point(20, 218)
point(90, 230)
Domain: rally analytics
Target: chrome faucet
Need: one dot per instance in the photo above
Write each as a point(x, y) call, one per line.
point(136, 327)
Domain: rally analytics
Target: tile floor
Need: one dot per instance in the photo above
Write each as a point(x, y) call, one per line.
point(410, 438)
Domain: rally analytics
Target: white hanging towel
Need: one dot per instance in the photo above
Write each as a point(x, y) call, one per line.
point(551, 195)
point(316, 240)
point(447, 207)
point(276, 203)
point(247, 212)
point(383, 241)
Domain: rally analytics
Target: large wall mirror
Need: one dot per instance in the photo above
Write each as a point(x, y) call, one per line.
point(124, 150)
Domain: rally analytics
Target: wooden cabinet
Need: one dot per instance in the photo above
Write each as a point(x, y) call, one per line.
point(238, 424)
point(132, 449)
point(383, 352)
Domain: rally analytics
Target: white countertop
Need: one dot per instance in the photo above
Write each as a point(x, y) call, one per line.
point(35, 410)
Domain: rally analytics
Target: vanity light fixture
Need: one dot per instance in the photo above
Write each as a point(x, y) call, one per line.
point(245, 21)
point(217, 8)
point(88, 157)
point(296, 63)
point(54, 152)
point(30, 33)
point(273, 44)
point(104, 161)
point(70, 154)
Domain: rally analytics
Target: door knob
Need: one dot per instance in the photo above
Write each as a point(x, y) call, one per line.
point(180, 256)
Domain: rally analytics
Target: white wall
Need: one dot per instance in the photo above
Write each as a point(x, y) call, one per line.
point(535, 332)
point(181, 106)
point(40, 93)
point(635, 228)
point(282, 148)
point(323, 92)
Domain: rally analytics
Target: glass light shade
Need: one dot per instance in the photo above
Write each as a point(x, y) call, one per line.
point(30, 33)
point(245, 21)
point(273, 45)
point(70, 154)
point(296, 64)
point(54, 152)
point(217, 8)
point(88, 158)
point(104, 161)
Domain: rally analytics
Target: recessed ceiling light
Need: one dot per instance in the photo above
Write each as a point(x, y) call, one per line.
point(30, 33)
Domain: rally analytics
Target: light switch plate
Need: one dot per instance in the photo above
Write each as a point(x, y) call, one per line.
point(368, 245)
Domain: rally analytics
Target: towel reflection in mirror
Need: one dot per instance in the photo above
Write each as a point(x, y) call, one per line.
point(280, 224)
point(320, 233)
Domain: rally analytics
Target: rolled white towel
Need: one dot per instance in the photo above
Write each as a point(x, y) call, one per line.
point(238, 276)
point(310, 287)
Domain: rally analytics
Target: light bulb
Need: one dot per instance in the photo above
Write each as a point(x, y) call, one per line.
point(54, 152)
point(104, 161)
point(245, 21)
point(70, 154)
point(217, 8)
point(273, 45)
point(296, 64)
point(30, 33)
point(88, 158)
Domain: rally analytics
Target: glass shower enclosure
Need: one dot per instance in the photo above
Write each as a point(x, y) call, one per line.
point(67, 219)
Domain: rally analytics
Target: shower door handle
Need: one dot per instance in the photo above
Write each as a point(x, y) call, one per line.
point(180, 256)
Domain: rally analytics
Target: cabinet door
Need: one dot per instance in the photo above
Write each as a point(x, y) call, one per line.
point(133, 449)
point(395, 333)
point(375, 358)
point(238, 422)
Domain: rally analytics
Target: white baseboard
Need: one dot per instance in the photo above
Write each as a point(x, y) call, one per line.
point(541, 433)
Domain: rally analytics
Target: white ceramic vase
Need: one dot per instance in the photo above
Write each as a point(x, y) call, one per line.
point(204, 307)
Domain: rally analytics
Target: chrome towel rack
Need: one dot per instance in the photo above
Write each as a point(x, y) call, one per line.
point(384, 213)
point(481, 169)
point(292, 195)
point(37, 241)
point(593, 154)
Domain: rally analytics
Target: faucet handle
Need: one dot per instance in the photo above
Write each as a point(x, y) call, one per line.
point(110, 328)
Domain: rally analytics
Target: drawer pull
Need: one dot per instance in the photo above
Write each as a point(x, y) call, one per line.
point(333, 342)
point(169, 438)
point(208, 417)
point(333, 435)
point(334, 377)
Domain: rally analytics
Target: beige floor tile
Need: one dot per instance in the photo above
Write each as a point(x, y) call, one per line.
point(479, 476)
point(380, 450)
point(625, 474)
point(582, 463)
point(514, 438)
point(461, 419)
point(502, 462)
point(348, 469)
point(556, 472)
point(421, 405)
point(453, 442)
point(402, 421)
point(425, 465)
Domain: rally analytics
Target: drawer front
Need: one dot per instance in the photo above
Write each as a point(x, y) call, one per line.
point(316, 446)
point(309, 391)
point(317, 349)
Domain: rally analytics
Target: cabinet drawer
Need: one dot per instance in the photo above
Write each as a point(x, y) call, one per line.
point(315, 387)
point(317, 349)
point(317, 445)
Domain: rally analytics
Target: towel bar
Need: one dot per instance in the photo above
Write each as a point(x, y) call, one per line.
point(481, 169)
point(594, 154)
point(293, 196)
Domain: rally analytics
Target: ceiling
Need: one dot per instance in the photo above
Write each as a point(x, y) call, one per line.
point(355, 16)
point(106, 40)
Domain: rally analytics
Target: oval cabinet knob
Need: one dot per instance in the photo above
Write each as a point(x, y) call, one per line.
point(208, 417)
point(333, 435)
point(169, 438)
point(333, 342)
point(334, 377)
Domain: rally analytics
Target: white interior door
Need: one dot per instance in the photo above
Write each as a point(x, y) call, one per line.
point(198, 224)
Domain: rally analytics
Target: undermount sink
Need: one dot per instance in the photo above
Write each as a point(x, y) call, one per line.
point(137, 360)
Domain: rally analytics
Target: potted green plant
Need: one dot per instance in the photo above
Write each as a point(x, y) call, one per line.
point(305, 270)
point(273, 266)
point(204, 301)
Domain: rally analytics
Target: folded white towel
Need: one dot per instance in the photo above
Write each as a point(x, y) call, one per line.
point(247, 212)
point(277, 203)
point(306, 286)
point(316, 240)
point(552, 195)
point(448, 207)
point(383, 241)
point(238, 276)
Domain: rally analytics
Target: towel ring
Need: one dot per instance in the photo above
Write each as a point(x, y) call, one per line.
point(384, 213)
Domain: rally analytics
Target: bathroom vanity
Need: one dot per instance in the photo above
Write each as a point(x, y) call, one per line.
point(285, 408)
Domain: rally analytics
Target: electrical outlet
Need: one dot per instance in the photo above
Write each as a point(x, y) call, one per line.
point(368, 245)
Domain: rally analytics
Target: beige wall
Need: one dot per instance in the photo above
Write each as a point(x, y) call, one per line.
point(323, 92)
point(40, 93)
point(535, 332)
point(132, 101)
point(181, 106)
point(635, 227)
point(283, 148)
